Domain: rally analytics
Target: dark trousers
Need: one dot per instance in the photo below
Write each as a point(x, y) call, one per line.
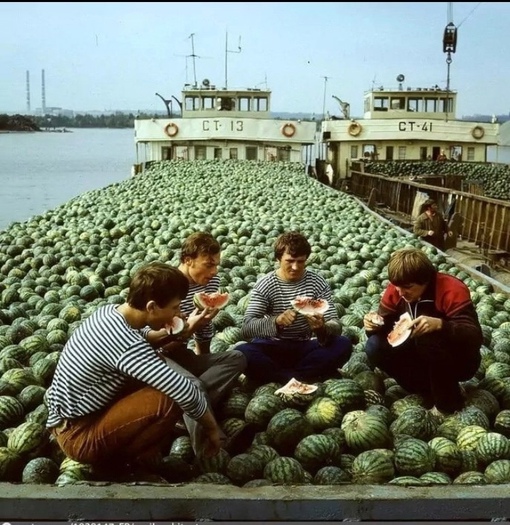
point(280, 360)
point(426, 366)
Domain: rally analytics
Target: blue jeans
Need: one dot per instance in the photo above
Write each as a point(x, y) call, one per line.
point(280, 360)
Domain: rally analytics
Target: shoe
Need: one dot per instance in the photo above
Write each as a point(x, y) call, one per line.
point(241, 440)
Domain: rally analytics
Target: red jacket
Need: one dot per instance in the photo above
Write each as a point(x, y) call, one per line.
point(445, 297)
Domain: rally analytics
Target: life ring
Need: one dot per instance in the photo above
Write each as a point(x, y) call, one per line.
point(354, 129)
point(477, 132)
point(288, 129)
point(171, 129)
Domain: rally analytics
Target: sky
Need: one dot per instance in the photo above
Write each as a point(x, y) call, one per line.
point(117, 55)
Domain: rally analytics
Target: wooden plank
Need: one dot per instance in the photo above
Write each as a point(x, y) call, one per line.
point(398, 194)
point(494, 227)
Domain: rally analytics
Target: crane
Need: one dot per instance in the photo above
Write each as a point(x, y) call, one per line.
point(449, 47)
point(344, 106)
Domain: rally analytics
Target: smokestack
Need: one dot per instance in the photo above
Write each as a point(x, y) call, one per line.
point(43, 93)
point(28, 92)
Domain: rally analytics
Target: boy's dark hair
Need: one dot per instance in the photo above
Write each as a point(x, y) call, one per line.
point(158, 282)
point(199, 243)
point(427, 204)
point(295, 243)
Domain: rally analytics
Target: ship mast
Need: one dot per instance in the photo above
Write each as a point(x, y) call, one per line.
point(193, 56)
point(227, 51)
point(449, 47)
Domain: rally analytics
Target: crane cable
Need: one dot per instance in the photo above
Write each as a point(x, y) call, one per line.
point(470, 13)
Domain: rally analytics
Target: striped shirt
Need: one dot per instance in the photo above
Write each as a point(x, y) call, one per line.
point(271, 296)
point(97, 361)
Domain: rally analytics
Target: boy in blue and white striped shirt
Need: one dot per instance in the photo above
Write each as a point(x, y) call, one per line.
point(92, 417)
point(216, 374)
point(283, 343)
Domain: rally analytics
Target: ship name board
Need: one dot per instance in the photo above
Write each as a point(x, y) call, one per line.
point(412, 125)
point(217, 125)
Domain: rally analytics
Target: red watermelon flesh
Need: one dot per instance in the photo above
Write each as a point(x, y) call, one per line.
point(204, 300)
point(309, 306)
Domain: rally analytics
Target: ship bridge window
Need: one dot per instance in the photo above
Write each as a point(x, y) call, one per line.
point(261, 104)
point(354, 152)
point(225, 103)
point(208, 103)
point(381, 103)
point(191, 103)
point(430, 105)
point(398, 103)
point(244, 104)
point(415, 104)
point(445, 105)
point(402, 153)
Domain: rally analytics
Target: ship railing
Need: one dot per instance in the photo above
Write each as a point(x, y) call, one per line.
point(484, 221)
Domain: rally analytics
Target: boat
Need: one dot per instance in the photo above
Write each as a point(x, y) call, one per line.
point(222, 123)
point(404, 123)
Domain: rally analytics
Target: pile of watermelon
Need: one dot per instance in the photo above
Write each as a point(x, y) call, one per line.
point(57, 268)
point(493, 179)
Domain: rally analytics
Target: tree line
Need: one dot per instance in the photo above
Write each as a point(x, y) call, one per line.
point(38, 123)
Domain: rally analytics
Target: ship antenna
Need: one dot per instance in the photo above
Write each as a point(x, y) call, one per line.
point(227, 51)
point(193, 56)
point(449, 47)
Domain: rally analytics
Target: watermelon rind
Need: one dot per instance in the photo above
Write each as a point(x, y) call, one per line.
point(175, 327)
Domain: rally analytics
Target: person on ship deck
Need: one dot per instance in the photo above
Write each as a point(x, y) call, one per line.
point(216, 374)
point(113, 400)
point(445, 334)
point(284, 344)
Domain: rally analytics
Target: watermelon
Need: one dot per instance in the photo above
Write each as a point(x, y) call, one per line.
point(401, 331)
point(309, 306)
point(203, 300)
point(175, 327)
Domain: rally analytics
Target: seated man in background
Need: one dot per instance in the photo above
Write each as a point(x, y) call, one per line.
point(215, 374)
point(444, 346)
point(283, 343)
point(112, 398)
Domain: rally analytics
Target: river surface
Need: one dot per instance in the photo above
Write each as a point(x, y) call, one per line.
point(41, 171)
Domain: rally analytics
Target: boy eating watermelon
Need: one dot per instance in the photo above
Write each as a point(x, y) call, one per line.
point(445, 339)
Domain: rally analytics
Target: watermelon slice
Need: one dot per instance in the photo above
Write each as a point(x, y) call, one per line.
point(203, 300)
point(297, 392)
point(401, 331)
point(175, 327)
point(375, 318)
point(309, 306)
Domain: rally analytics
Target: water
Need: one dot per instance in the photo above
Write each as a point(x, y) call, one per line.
point(41, 171)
